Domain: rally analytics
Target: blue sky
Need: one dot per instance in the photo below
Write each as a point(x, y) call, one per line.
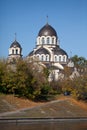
point(27, 17)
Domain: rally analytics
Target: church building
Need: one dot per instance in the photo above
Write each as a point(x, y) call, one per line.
point(47, 51)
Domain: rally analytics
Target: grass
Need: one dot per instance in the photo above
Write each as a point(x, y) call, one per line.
point(10, 103)
point(62, 107)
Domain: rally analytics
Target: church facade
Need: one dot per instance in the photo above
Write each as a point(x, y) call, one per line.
point(47, 52)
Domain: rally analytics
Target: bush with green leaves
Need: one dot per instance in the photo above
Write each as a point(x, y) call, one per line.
point(23, 79)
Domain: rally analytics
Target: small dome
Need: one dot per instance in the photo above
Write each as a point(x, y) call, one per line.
point(41, 51)
point(15, 44)
point(47, 30)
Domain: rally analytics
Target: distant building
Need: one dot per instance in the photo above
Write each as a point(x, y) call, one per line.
point(15, 51)
point(47, 52)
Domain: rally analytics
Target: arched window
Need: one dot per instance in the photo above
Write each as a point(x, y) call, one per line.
point(55, 58)
point(48, 40)
point(47, 57)
point(64, 58)
point(43, 41)
point(16, 51)
point(12, 51)
point(42, 58)
point(59, 58)
point(52, 40)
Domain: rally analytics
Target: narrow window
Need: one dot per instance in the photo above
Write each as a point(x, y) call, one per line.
point(55, 58)
point(43, 41)
point(12, 51)
point(59, 58)
point(63, 58)
point(47, 57)
point(48, 40)
point(16, 51)
point(42, 58)
point(53, 40)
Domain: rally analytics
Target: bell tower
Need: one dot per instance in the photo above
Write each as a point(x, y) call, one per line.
point(15, 50)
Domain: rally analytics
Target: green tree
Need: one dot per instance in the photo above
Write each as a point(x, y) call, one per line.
point(80, 62)
point(24, 79)
point(3, 70)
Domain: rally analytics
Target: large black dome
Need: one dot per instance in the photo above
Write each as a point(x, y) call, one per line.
point(47, 30)
point(15, 44)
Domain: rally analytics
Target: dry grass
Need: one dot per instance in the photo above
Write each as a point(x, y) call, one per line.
point(81, 104)
point(63, 106)
point(11, 103)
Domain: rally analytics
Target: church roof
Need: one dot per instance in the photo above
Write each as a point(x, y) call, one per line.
point(58, 51)
point(15, 44)
point(41, 50)
point(47, 30)
point(31, 53)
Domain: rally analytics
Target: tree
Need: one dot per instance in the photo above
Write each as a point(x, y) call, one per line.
point(24, 79)
point(67, 72)
point(79, 87)
point(80, 62)
point(3, 70)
